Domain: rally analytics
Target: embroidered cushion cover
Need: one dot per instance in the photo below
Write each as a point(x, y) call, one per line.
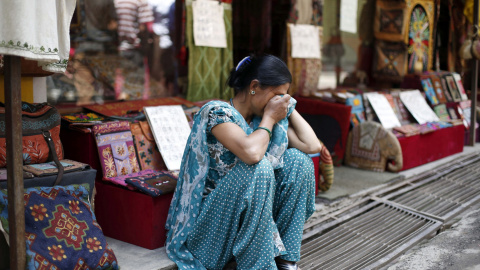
point(116, 149)
point(147, 150)
point(390, 21)
point(390, 61)
point(61, 230)
point(372, 147)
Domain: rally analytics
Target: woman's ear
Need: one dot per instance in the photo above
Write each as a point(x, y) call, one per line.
point(254, 84)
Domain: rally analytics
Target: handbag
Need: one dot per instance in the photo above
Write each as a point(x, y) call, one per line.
point(40, 136)
point(147, 150)
point(116, 149)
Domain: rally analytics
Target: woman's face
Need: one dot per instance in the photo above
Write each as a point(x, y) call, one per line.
point(263, 95)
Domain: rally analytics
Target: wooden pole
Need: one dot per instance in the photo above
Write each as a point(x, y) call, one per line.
point(474, 89)
point(13, 135)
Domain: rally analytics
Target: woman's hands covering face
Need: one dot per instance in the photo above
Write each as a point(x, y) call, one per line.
point(276, 107)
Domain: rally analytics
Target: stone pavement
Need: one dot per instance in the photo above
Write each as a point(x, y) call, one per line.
point(455, 248)
point(350, 184)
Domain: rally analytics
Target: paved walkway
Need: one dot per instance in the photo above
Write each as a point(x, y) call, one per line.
point(440, 256)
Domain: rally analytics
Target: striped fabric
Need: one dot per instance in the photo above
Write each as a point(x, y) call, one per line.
point(131, 13)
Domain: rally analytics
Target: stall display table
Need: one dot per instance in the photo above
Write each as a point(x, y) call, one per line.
point(131, 216)
point(330, 121)
point(424, 148)
point(123, 214)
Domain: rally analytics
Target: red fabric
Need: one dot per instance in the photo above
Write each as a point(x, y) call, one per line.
point(131, 216)
point(81, 147)
point(421, 149)
point(339, 112)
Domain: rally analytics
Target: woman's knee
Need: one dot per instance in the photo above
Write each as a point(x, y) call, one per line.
point(299, 158)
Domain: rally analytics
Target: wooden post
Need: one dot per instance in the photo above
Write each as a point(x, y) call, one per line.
point(474, 89)
point(13, 135)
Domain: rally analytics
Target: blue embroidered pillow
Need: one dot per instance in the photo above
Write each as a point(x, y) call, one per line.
point(61, 231)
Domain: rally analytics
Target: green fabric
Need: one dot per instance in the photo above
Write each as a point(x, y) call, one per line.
point(209, 68)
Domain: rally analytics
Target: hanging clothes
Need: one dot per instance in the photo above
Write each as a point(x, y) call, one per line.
point(209, 68)
point(305, 72)
point(252, 27)
point(45, 39)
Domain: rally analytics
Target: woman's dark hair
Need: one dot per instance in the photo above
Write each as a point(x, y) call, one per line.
point(269, 70)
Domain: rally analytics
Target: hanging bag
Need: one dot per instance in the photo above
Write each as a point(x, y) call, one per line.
point(40, 136)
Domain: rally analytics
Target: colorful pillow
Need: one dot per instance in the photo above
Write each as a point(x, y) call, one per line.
point(389, 21)
point(60, 229)
point(116, 149)
point(390, 61)
point(372, 147)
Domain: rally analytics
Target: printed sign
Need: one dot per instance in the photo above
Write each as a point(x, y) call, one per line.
point(384, 111)
point(208, 24)
point(348, 17)
point(305, 40)
point(418, 107)
point(170, 128)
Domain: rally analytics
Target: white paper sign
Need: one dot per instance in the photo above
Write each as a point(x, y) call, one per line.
point(305, 40)
point(384, 110)
point(418, 107)
point(348, 16)
point(170, 129)
point(208, 24)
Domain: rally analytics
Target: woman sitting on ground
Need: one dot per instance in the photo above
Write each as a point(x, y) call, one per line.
point(241, 194)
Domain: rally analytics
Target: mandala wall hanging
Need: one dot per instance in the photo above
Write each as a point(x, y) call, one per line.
point(419, 36)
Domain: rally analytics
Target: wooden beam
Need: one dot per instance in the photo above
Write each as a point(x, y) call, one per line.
point(13, 135)
point(474, 89)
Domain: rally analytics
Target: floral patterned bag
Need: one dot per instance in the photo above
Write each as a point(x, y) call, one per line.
point(40, 135)
point(116, 149)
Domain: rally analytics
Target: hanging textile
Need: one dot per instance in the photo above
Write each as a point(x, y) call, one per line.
point(305, 72)
point(45, 39)
point(209, 68)
point(252, 27)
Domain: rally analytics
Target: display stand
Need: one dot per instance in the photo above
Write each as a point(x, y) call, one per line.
point(13, 122)
point(424, 148)
point(330, 121)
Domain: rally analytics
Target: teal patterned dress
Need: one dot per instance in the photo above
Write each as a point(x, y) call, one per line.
point(225, 209)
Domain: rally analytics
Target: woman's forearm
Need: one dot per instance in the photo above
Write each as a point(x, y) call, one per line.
point(249, 148)
point(301, 135)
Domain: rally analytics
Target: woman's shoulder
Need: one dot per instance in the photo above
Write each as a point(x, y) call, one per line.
point(216, 103)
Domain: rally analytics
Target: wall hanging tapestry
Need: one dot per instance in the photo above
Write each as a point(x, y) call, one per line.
point(419, 37)
point(389, 61)
point(390, 20)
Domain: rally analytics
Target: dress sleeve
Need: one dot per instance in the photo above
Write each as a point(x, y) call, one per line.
point(219, 115)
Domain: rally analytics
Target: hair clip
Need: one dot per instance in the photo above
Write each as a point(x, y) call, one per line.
point(246, 59)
